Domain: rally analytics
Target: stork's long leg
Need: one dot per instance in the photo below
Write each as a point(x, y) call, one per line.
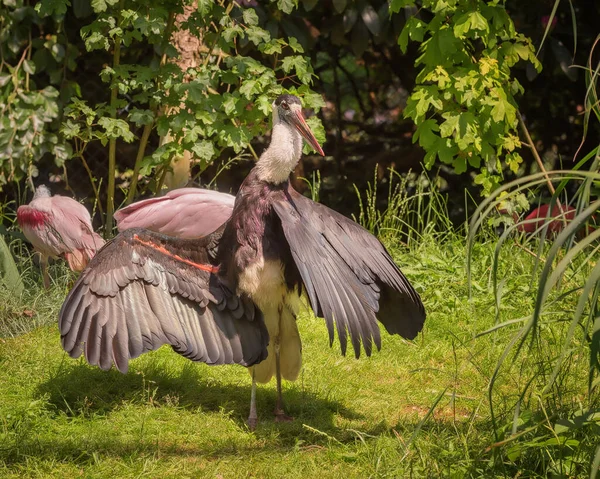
point(252, 417)
point(280, 415)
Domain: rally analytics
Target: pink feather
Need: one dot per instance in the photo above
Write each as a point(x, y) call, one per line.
point(59, 226)
point(184, 213)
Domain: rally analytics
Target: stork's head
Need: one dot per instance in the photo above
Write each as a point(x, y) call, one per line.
point(287, 109)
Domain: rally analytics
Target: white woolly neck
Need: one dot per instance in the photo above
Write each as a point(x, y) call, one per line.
point(283, 153)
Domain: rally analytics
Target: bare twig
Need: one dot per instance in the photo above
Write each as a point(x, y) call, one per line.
point(112, 144)
point(529, 143)
point(138, 161)
point(527, 250)
point(79, 154)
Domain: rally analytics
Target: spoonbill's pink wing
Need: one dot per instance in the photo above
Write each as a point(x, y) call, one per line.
point(74, 223)
point(183, 213)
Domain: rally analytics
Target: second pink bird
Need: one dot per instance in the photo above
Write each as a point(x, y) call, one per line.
point(58, 226)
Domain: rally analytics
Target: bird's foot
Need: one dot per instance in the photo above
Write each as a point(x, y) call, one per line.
point(252, 423)
point(281, 416)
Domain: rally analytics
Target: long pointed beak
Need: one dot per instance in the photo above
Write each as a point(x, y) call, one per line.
point(300, 124)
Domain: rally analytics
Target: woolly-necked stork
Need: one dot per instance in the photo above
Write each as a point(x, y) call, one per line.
point(233, 295)
point(58, 226)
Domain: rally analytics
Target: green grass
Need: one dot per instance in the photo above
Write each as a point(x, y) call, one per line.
point(372, 417)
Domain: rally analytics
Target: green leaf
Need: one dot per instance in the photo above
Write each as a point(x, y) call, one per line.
point(300, 65)
point(295, 45)
point(205, 6)
point(460, 165)
point(414, 29)
point(287, 6)
point(229, 103)
point(446, 151)
point(449, 126)
point(70, 129)
point(45, 8)
point(513, 161)
point(422, 100)
point(196, 91)
point(503, 110)
point(274, 46)
point(116, 128)
point(397, 5)
point(9, 273)
point(99, 6)
point(29, 66)
point(311, 99)
point(443, 48)
point(257, 35)
point(231, 33)
point(249, 88)
point(204, 150)
point(62, 152)
point(470, 21)
point(236, 137)
point(263, 103)
point(425, 134)
point(141, 117)
point(96, 41)
point(250, 16)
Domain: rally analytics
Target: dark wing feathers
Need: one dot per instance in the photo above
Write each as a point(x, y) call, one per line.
point(143, 290)
point(349, 277)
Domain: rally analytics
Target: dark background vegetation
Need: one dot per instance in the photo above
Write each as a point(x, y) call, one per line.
point(365, 81)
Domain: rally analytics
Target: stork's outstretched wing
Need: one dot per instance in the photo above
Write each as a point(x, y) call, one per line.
point(143, 290)
point(349, 276)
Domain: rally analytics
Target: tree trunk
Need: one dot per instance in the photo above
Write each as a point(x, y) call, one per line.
point(188, 45)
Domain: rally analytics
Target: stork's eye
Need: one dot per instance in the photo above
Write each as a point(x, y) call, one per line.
point(285, 106)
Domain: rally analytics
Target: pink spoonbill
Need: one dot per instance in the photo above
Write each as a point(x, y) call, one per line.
point(59, 226)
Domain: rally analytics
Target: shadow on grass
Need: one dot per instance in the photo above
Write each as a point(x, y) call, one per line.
point(79, 390)
point(90, 395)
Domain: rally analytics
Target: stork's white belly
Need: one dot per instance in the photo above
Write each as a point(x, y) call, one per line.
point(264, 281)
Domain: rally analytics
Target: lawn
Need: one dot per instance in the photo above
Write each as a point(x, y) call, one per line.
point(414, 409)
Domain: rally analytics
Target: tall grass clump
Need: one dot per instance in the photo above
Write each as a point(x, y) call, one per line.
point(544, 339)
point(551, 423)
point(414, 209)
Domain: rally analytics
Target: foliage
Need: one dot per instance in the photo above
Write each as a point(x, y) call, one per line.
point(35, 57)
point(563, 248)
point(415, 209)
point(464, 103)
point(556, 276)
point(221, 104)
